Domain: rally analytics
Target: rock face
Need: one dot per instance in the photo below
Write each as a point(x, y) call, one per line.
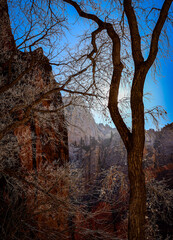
point(81, 125)
point(44, 131)
point(7, 43)
point(159, 146)
point(94, 147)
point(43, 136)
point(33, 130)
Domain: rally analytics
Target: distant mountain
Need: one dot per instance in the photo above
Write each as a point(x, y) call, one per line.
point(101, 144)
point(81, 125)
point(92, 146)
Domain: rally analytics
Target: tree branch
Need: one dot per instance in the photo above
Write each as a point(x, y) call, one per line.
point(117, 69)
point(157, 31)
point(10, 85)
point(90, 56)
point(84, 14)
point(28, 109)
point(134, 32)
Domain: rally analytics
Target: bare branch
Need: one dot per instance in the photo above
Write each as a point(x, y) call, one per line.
point(117, 69)
point(84, 14)
point(52, 111)
point(10, 85)
point(28, 109)
point(157, 31)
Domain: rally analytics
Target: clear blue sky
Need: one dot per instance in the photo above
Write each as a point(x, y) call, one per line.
point(161, 89)
point(166, 85)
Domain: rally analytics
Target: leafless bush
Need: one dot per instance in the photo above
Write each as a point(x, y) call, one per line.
point(160, 210)
point(51, 204)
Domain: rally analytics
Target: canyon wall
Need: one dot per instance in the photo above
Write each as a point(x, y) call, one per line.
point(33, 141)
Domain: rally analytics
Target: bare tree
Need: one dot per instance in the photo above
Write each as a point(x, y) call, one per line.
point(133, 139)
point(107, 38)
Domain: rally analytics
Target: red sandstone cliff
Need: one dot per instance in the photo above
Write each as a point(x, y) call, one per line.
point(33, 141)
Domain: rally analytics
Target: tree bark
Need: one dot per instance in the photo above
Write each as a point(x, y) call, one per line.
point(137, 203)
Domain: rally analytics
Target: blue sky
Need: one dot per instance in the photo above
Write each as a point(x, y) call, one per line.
point(166, 86)
point(160, 87)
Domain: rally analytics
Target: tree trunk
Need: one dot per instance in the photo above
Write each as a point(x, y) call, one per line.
point(137, 203)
